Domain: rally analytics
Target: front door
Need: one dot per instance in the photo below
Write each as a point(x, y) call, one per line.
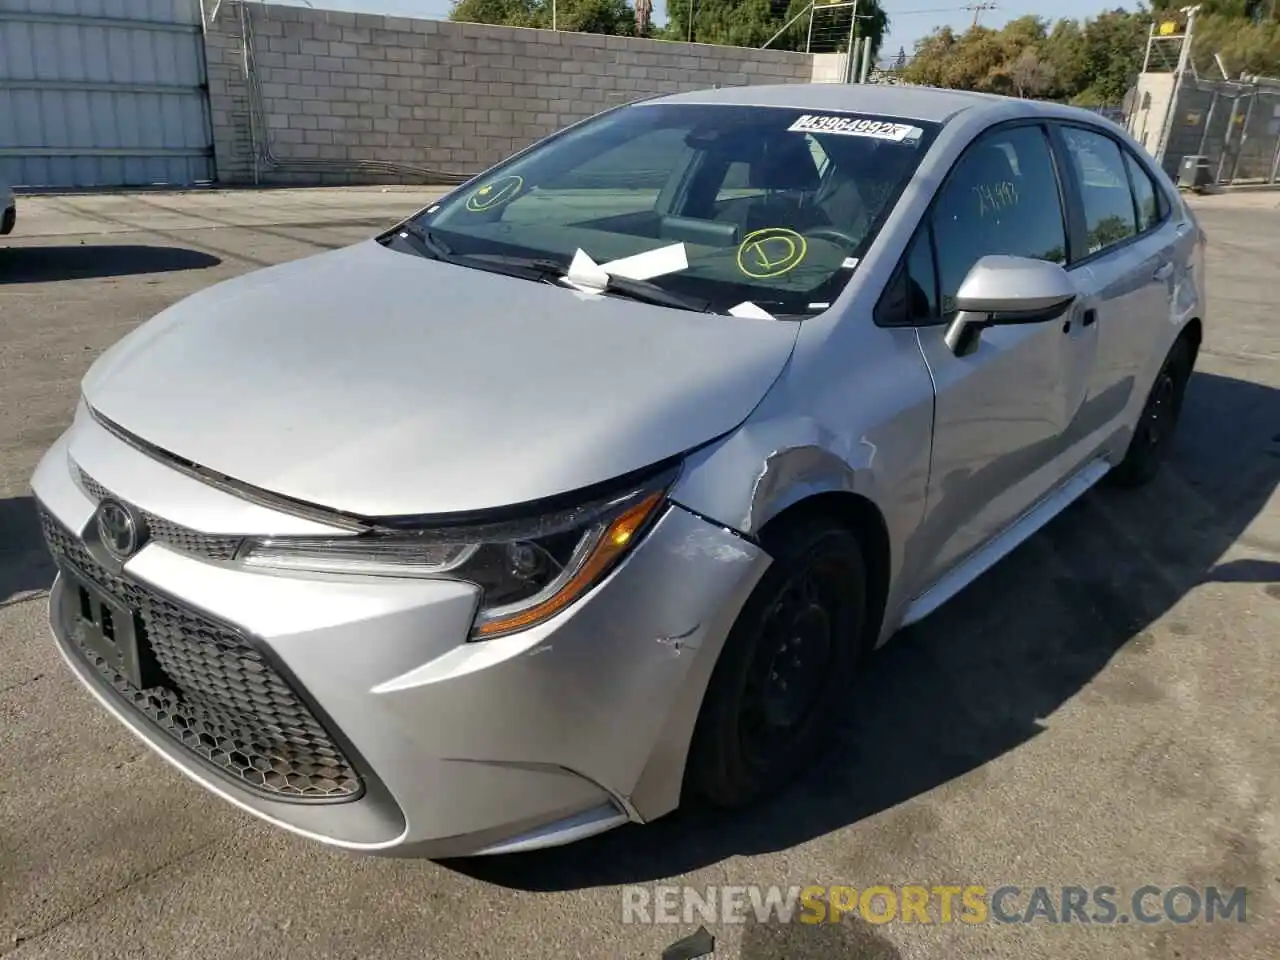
point(1003, 412)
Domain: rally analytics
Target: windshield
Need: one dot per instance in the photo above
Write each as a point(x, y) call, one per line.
point(762, 206)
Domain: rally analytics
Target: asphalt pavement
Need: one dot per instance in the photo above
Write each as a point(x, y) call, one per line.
point(1103, 708)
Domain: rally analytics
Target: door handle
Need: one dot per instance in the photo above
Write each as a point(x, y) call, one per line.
point(1089, 318)
point(1163, 273)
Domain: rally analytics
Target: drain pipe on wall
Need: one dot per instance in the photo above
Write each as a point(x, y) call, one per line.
point(248, 82)
point(264, 157)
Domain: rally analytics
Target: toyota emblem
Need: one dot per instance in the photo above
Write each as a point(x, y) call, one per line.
point(118, 529)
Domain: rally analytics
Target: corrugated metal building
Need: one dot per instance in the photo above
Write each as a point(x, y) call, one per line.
point(103, 93)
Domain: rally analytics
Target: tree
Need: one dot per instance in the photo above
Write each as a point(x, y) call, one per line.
point(1113, 45)
point(579, 16)
point(511, 13)
point(1064, 51)
point(734, 23)
point(644, 13)
point(752, 23)
point(1245, 46)
point(1030, 75)
point(900, 60)
point(1093, 61)
point(931, 55)
point(973, 60)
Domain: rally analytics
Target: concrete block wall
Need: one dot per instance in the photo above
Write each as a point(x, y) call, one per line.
point(360, 91)
point(830, 67)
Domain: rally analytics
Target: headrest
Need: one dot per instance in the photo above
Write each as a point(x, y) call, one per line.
point(786, 164)
point(989, 165)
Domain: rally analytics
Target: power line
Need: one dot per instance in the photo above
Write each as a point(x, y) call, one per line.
point(908, 13)
point(978, 9)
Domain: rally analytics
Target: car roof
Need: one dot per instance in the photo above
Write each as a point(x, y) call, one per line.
point(896, 100)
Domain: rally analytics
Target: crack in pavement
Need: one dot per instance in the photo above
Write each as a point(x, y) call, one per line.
point(19, 940)
point(21, 683)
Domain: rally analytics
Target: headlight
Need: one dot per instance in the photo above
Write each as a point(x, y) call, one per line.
point(528, 570)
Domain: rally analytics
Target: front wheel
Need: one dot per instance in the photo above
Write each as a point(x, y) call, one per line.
point(1154, 432)
point(786, 666)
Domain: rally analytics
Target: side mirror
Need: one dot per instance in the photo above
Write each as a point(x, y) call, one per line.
point(1001, 290)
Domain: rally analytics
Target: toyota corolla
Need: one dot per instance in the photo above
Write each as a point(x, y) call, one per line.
point(586, 490)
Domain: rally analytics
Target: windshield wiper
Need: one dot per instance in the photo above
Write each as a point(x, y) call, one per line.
point(426, 241)
point(641, 290)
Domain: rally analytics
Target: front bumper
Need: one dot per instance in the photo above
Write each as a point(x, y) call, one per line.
point(459, 748)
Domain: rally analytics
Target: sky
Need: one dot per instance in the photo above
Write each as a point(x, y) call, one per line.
point(909, 20)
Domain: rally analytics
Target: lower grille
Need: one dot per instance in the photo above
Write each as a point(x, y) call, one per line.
point(218, 697)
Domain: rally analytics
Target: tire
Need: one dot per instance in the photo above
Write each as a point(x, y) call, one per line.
point(768, 707)
point(1154, 433)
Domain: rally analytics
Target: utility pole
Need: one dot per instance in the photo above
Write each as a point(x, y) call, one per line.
point(977, 9)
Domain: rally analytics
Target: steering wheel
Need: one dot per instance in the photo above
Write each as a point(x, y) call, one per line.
point(832, 235)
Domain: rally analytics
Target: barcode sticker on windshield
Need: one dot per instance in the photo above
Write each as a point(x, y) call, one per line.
point(854, 127)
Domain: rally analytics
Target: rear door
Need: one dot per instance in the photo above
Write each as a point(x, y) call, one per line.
point(1126, 239)
point(1002, 412)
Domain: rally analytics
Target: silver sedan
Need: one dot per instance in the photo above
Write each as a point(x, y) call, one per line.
point(585, 490)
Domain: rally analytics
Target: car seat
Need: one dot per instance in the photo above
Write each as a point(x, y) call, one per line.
point(787, 174)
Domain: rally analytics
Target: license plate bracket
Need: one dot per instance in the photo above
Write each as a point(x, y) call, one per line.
point(114, 632)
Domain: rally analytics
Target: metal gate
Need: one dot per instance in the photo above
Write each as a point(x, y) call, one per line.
point(103, 93)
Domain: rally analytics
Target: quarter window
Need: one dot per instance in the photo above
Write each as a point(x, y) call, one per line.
point(911, 299)
point(1001, 198)
point(1145, 193)
point(1098, 166)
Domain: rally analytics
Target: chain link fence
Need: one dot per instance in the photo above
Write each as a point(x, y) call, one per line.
point(1231, 127)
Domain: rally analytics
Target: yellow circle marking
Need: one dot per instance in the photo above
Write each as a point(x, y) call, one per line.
point(495, 194)
point(771, 252)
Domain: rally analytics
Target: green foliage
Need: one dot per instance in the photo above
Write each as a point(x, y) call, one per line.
point(736, 23)
point(1245, 47)
point(1092, 62)
point(740, 23)
point(616, 17)
point(751, 23)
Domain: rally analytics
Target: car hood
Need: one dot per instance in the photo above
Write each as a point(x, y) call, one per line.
point(381, 383)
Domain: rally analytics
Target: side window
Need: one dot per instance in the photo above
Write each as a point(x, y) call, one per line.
point(737, 180)
point(820, 158)
point(1145, 194)
point(1001, 198)
point(1098, 166)
point(911, 298)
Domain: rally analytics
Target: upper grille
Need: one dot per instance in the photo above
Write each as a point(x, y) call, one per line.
point(208, 545)
point(220, 698)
